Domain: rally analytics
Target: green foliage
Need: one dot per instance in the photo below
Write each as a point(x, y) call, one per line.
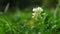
point(16, 23)
point(21, 22)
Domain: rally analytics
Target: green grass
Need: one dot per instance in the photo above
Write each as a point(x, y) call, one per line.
point(15, 23)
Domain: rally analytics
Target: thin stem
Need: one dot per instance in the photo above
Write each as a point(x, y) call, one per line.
point(55, 13)
point(6, 8)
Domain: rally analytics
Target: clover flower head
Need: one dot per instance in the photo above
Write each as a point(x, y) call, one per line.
point(37, 9)
point(36, 12)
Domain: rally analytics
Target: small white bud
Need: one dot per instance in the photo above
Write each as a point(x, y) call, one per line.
point(39, 9)
point(34, 9)
point(33, 14)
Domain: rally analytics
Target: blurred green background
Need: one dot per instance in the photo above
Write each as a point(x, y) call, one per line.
point(16, 17)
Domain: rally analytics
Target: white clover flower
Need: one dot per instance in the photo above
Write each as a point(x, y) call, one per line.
point(36, 11)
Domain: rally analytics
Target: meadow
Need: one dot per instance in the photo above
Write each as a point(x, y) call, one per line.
point(21, 22)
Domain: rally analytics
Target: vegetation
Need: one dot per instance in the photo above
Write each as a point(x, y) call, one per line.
point(21, 21)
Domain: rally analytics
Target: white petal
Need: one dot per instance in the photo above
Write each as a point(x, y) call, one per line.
point(33, 14)
point(39, 9)
point(34, 9)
